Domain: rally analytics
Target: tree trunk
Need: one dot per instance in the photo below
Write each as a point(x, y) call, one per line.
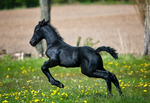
point(146, 47)
point(45, 9)
point(45, 14)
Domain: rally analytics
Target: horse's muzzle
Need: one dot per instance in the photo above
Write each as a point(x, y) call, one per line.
point(32, 42)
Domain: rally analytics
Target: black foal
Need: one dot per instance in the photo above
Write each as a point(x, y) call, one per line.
point(62, 54)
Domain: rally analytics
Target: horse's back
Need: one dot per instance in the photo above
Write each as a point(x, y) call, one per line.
point(87, 52)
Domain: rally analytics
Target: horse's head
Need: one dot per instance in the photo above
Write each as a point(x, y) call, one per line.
point(38, 35)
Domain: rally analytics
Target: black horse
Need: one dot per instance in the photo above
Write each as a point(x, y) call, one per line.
point(62, 54)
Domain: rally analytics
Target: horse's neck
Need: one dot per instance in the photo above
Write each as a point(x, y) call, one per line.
point(50, 39)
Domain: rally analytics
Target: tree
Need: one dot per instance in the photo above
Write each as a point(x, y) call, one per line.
point(146, 49)
point(45, 14)
point(143, 8)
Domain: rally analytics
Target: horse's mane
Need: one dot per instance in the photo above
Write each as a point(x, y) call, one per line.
point(56, 32)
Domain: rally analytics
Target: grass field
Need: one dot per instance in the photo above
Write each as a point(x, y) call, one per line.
point(24, 82)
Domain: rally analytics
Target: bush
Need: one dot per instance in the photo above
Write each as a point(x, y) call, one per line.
point(9, 4)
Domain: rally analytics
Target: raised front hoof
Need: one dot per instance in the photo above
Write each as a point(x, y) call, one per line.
point(61, 85)
point(58, 84)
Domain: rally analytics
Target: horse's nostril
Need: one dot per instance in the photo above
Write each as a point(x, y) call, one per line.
point(32, 42)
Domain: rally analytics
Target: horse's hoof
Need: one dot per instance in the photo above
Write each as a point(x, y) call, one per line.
point(61, 85)
point(109, 95)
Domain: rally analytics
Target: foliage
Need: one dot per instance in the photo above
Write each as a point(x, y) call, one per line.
point(141, 10)
point(23, 81)
point(89, 42)
point(9, 4)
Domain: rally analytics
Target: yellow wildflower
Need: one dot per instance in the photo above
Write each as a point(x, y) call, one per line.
point(123, 87)
point(86, 93)
point(5, 101)
point(111, 70)
point(116, 64)
point(16, 98)
point(65, 87)
point(85, 101)
point(36, 100)
point(110, 63)
point(80, 80)
point(22, 68)
point(82, 91)
point(76, 101)
point(66, 95)
point(68, 74)
point(43, 94)
point(145, 85)
point(7, 76)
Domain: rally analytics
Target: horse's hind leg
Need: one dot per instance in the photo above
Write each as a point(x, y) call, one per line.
point(116, 83)
point(107, 76)
point(110, 77)
point(100, 74)
point(46, 65)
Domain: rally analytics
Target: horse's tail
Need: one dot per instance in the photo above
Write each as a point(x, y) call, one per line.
point(110, 50)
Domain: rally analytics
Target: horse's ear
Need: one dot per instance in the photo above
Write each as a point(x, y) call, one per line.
point(47, 22)
point(43, 22)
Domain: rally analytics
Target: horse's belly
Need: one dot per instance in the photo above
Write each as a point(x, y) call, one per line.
point(69, 57)
point(69, 63)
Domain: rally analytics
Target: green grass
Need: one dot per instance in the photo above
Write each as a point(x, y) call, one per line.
point(23, 81)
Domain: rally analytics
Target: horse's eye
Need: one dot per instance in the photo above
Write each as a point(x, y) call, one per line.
point(36, 31)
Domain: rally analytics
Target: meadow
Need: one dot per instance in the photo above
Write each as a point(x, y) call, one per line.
point(22, 81)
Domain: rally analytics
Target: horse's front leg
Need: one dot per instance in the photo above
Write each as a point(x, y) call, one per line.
point(49, 64)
